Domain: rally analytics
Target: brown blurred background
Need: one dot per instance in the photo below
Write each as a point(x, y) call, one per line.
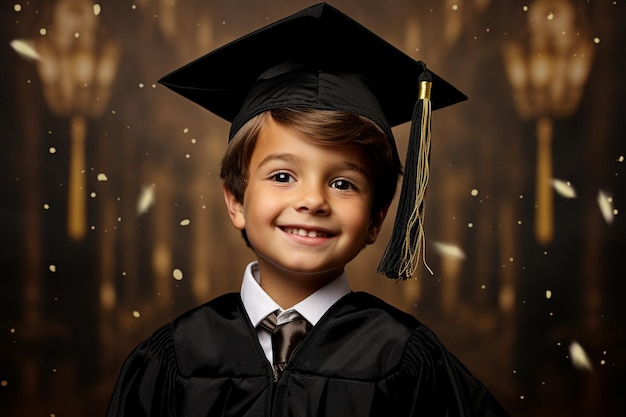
point(112, 219)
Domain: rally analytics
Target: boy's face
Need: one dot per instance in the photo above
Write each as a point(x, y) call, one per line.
point(306, 208)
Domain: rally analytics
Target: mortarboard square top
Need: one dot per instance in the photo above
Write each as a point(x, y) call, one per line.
point(323, 40)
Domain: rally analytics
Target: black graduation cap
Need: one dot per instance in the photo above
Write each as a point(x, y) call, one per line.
point(320, 58)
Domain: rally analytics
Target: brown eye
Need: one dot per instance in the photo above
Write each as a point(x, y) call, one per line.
point(282, 177)
point(342, 185)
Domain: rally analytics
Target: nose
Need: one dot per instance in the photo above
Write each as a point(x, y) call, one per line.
point(313, 199)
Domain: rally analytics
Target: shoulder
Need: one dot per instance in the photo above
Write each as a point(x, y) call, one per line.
point(224, 307)
point(375, 309)
point(163, 341)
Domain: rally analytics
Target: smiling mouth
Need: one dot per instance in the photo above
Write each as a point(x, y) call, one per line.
point(304, 232)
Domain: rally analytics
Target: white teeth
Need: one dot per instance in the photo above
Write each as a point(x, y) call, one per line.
point(304, 232)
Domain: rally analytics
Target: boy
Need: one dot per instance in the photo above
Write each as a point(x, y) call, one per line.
point(310, 171)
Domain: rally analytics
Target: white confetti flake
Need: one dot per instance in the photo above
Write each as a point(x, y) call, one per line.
point(605, 202)
point(474, 192)
point(185, 222)
point(96, 9)
point(146, 199)
point(177, 274)
point(102, 177)
point(25, 48)
point(449, 251)
point(579, 357)
point(564, 188)
point(17, 7)
point(548, 294)
point(136, 314)
point(52, 268)
point(621, 158)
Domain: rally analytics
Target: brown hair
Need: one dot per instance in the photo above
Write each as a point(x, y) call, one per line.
point(324, 127)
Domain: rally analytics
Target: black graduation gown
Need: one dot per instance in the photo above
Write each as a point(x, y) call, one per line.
point(363, 358)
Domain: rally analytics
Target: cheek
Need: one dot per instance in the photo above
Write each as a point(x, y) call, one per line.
point(357, 218)
point(260, 206)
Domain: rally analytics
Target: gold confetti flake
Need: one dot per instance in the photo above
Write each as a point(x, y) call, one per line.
point(579, 357)
point(177, 274)
point(605, 202)
point(564, 188)
point(102, 177)
point(146, 199)
point(548, 294)
point(449, 251)
point(96, 9)
point(25, 49)
point(185, 222)
point(136, 314)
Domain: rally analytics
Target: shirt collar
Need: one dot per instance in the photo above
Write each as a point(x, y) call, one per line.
point(259, 304)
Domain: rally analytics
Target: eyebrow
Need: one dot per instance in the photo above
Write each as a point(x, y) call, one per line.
point(287, 157)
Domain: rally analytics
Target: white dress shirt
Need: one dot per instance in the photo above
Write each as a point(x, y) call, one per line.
point(259, 304)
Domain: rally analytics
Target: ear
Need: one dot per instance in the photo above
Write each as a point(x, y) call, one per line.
point(235, 209)
point(376, 223)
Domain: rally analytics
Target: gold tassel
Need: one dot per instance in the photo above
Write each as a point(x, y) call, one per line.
point(407, 239)
point(411, 251)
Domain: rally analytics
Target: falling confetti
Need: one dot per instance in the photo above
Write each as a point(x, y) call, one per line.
point(579, 357)
point(52, 268)
point(606, 206)
point(146, 199)
point(449, 251)
point(474, 192)
point(136, 314)
point(548, 294)
point(564, 188)
point(102, 177)
point(25, 48)
point(177, 274)
point(185, 222)
point(96, 9)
